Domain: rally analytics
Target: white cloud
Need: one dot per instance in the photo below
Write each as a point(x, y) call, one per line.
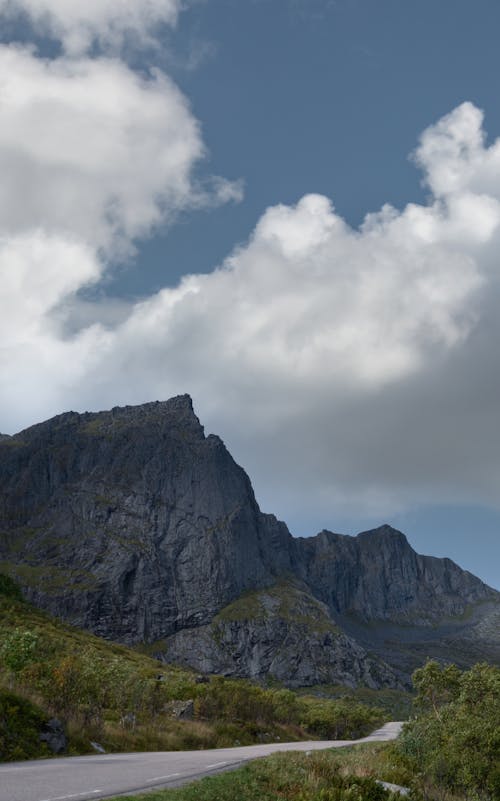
point(92, 157)
point(37, 273)
point(454, 156)
point(341, 366)
point(89, 147)
point(108, 22)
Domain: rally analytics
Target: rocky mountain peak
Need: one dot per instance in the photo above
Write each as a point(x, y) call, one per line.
point(385, 533)
point(132, 523)
point(174, 415)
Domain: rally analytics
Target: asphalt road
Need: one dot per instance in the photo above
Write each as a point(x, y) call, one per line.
point(105, 775)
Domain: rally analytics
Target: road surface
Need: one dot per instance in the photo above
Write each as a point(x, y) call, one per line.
point(104, 775)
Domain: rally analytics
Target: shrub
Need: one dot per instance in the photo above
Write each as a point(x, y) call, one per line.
point(454, 739)
point(20, 726)
point(18, 649)
point(9, 588)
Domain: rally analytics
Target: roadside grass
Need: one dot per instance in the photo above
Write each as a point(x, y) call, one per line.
point(348, 774)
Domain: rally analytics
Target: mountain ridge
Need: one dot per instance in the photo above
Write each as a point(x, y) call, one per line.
point(136, 525)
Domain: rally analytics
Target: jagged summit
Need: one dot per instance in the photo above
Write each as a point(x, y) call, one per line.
point(133, 524)
point(385, 531)
point(175, 411)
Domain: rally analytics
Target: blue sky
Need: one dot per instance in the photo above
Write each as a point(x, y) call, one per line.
point(353, 372)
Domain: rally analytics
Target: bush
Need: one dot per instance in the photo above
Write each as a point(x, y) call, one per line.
point(338, 720)
point(18, 649)
point(454, 740)
point(9, 588)
point(20, 725)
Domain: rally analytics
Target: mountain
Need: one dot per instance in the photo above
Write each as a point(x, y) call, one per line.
point(135, 525)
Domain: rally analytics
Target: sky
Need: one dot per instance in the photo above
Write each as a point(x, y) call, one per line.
point(289, 209)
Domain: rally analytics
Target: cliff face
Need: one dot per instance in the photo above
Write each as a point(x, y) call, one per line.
point(135, 525)
point(131, 522)
point(281, 632)
point(378, 576)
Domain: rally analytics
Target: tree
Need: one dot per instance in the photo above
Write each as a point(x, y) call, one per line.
point(436, 685)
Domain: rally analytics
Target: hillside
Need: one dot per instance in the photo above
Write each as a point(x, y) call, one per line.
point(136, 526)
point(127, 701)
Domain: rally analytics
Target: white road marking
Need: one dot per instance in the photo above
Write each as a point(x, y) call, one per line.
point(168, 776)
point(73, 795)
point(217, 764)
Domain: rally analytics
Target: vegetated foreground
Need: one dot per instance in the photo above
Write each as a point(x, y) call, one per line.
point(449, 751)
point(126, 701)
point(318, 776)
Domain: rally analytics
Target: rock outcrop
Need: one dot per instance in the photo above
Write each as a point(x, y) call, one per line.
point(282, 633)
point(134, 524)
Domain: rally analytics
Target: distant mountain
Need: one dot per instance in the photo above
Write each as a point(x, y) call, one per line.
point(135, 525)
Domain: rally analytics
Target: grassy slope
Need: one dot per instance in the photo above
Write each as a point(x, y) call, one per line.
point(92, 684)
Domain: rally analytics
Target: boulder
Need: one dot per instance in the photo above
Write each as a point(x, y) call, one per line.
point(54, 735)
point(180, 710)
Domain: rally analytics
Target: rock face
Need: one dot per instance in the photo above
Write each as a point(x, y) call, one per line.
point(378, 576)
point(134, 524)
point(131, 522)
point(281, 632)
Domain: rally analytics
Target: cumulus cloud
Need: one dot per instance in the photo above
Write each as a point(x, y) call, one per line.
point(89, 147)
point(37, 273)
point(93, 157)
point(80, 25)
point(343, 367)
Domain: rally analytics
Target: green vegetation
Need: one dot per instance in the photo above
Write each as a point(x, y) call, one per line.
point(449, 751)
point(452, 746)
point(396, 704)
point(9, 588)
point(320, 776)
point(120, 697)
point(50, 578)
point(20, 724)
point(284, 599)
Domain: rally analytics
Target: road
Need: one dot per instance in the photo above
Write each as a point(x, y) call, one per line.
point(101, 776)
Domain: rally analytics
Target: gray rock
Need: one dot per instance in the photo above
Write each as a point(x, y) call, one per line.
point(132, 523)
point(135, 525)
point(54, 735)
point(180, 710)
point(378, 576)
point(282, 633)
point(394, 788)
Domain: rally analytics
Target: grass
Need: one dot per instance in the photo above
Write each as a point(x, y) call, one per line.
point(340, 775)
point(20, 725)
point(49, 578)
point(285, 599)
